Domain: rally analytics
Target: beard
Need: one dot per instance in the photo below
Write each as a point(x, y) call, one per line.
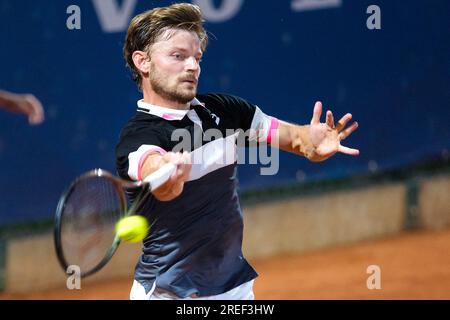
point(176, 92)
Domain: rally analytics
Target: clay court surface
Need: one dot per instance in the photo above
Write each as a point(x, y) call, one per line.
point(414, 265)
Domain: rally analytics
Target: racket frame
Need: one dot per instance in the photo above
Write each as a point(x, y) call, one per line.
point(152, 181)
point(119, 186)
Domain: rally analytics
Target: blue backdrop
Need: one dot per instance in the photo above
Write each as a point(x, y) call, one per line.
point(277, 54)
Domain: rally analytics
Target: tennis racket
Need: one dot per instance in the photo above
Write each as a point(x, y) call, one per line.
point(84, 232)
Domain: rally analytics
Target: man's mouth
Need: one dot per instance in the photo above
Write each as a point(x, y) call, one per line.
point(190, 80)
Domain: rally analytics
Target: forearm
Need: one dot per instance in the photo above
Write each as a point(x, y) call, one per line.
point(7, 100)
point(297, 139)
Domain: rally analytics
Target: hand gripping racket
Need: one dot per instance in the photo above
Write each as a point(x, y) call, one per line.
point(84, 232)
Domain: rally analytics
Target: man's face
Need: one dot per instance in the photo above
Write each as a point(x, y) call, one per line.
point(174, 65)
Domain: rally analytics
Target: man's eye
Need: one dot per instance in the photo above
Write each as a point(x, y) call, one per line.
point(178, 56)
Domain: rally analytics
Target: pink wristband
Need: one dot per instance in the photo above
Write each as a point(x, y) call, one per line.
point(273, 127)
point(153, 150)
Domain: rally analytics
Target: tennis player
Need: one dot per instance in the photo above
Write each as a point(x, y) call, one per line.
point(194, 249)
point(26, 104)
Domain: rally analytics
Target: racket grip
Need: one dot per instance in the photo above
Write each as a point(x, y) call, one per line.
point(160, 176)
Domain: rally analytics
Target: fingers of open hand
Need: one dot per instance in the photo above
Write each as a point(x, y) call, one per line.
point(343, 122)
point(330, 119)
point(34, 109)
point(317, 113)
point(346, 132)
point(349, 151)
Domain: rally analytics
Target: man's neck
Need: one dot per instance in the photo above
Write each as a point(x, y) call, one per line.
point(157, 100)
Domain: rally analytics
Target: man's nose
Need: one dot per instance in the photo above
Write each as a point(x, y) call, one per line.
point(192, 64)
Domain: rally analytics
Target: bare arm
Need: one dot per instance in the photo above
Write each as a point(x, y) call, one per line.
point(317, 141)
point(174, 186)
point(26, 104)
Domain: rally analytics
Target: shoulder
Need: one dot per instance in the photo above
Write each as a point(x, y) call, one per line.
point(142, 129)
point(141, 122)
point(227, 104)
point(235, 111)
point(220, 99)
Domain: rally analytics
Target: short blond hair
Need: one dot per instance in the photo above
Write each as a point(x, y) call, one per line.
point(146, 28)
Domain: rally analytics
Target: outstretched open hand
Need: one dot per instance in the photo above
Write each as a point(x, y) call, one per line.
point(326, 137)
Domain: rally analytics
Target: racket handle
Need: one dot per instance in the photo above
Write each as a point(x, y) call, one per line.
point(160, 176)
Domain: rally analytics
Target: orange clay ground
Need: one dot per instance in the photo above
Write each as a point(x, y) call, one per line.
point(414, 265)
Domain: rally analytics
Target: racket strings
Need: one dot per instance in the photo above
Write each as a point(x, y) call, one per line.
point(137, 197)
point(91, 210)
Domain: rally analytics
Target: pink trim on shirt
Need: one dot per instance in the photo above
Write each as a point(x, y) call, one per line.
point(154, 149)
point(273, 127)
point(169, 116)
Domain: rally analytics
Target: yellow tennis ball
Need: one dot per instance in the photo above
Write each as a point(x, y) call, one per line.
point(132, 228)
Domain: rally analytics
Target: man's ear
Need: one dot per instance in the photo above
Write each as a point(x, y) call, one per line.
point(141, 61)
